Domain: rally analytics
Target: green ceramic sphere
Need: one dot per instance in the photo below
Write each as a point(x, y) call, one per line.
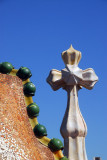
point(24, 73)
point(64, 158)
point(40, 130)
point(6, 67)
point(55, 144)
point(29, 89)
point(32, 110)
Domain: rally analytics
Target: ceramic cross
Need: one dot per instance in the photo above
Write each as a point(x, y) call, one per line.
point(72, 78)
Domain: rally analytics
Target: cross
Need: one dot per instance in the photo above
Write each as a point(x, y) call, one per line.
point(72, 78)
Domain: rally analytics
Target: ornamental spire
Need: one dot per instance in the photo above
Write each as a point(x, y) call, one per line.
point(71, 78)
point(71, 56)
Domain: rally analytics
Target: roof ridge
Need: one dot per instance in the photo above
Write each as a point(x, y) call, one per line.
point(33, 110)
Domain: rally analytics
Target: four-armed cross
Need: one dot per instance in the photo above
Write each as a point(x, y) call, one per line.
point(72, 78)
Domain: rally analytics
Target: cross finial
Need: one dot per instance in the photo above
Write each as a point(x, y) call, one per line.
point(71, 78)
point(71, 56)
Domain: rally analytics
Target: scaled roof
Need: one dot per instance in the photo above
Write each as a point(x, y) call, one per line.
point(17, 139)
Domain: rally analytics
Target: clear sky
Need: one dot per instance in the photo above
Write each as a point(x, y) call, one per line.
point(33, 33)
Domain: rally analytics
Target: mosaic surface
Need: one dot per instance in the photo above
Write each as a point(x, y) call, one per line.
point(17, 140)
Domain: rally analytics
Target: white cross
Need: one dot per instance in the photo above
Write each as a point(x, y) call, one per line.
point(72, 78)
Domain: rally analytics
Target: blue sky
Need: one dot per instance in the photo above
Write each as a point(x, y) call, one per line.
point(34, 33)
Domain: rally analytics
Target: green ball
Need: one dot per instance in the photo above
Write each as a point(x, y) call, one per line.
point(64, 158)
point(40, 130)
point(6, 67)
point(32, 110)
point(29, 89)
point(55, 144)
point(24, 73)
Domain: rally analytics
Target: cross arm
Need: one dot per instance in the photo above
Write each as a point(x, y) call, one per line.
point(85, 78)
point(55, 79)
point(89, 78)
